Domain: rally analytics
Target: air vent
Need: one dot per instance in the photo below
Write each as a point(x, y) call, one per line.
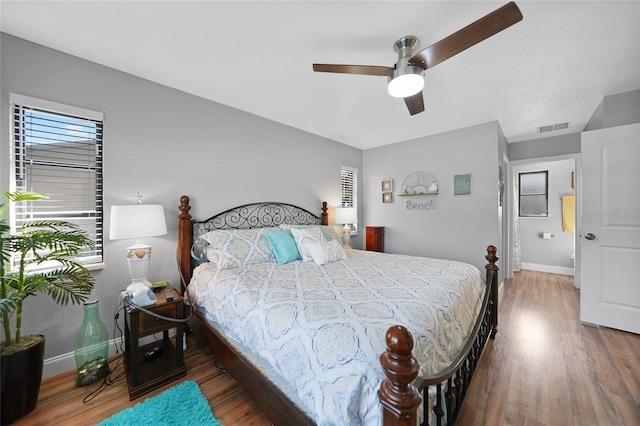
point(553, 127)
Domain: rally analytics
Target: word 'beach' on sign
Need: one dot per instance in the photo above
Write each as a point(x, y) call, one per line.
point(427, 205)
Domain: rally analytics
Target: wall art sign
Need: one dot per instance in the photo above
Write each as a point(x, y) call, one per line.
point(420, 205)
point(462, 184)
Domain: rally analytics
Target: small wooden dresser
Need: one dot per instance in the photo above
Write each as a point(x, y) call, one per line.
point(375, 238)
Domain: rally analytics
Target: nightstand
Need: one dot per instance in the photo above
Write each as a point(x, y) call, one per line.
point(148, 369)
point(375, 238)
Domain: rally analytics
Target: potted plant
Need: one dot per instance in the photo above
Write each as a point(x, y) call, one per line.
point(38, 259)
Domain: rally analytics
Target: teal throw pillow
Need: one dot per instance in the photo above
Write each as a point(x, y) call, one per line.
point(283, 245)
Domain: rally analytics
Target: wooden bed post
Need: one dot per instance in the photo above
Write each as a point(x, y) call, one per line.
point(325, 215)
point(185, 235)
point(492, 273)
point(399, 398)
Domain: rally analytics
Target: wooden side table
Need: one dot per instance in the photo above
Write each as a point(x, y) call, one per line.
point(375, 238)
point(146, 373)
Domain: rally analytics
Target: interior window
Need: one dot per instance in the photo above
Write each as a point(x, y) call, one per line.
point(349, 184)
point(534, 194)
point(57, 150)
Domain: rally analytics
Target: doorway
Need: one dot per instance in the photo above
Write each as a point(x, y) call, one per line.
point(544, 243)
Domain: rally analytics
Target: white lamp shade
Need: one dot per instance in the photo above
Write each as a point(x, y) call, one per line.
point(346, 215)
point(405, 82)
point(137, 221)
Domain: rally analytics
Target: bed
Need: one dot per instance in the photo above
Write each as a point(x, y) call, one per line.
point(338, 335)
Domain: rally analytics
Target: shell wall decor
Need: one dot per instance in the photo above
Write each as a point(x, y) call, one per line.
point(419, 183)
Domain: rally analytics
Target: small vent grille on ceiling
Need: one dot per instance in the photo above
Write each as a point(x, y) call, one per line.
point(553, 127)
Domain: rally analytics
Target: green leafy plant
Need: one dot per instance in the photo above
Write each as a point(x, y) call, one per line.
point(39, 243)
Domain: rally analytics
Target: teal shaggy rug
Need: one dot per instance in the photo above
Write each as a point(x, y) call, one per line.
point(181, 405)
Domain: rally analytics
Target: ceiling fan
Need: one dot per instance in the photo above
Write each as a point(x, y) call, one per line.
point(405, 78)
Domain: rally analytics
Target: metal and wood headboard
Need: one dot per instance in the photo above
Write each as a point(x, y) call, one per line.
point(248, 216)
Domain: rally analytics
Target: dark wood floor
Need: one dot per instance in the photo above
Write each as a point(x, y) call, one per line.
point(544, 368)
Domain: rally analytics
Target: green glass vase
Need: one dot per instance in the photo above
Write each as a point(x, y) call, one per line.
point(92, 347)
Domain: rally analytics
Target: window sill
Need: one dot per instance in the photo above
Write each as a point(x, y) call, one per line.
point(47, 266)
point(95, 266)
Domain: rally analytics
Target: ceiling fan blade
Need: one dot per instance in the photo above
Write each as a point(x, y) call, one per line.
point(415, 103)
point(354, 69)
point(474, 33)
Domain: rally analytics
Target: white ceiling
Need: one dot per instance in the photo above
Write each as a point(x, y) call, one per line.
point(554, 66)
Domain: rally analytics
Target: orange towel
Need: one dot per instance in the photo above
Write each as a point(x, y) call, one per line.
point(568, 214)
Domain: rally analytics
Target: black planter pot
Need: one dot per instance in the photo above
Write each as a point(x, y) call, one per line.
point(21, 377)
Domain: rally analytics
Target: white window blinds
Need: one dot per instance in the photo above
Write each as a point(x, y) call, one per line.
point(57, 150)
point(349, 183)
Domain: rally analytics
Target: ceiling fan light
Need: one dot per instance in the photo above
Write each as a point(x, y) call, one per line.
point(405, 82)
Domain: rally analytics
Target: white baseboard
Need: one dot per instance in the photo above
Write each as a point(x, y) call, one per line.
point(547, 268)
point(67, 362)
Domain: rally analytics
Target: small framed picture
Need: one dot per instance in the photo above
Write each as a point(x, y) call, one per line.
point(387, 185)
point(387, 197)
point(462, 184)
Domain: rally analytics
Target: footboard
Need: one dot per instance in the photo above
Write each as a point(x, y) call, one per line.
point(400, 392)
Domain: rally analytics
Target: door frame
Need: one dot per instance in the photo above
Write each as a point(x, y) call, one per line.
point(508, 236)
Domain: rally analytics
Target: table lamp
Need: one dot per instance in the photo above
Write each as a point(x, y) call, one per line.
point(346, 216)
point(137, 221)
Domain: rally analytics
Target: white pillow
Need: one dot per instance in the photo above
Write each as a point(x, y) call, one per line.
point(326, 251)
point(329, 232)
point(304, 235)
point(234, 248)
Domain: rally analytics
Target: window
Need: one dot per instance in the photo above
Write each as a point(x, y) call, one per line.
point(534, 194)
point(57, 150)
point(349, 183)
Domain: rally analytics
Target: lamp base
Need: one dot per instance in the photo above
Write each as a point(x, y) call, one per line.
point(139, 256)
point(143, 281)
point(346, 236)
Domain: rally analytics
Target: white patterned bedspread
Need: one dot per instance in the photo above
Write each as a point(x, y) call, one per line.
point(322, 328)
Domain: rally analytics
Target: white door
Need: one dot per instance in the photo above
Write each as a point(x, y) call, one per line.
point(610, 228)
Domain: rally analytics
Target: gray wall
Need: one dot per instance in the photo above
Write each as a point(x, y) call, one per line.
point(556, 251)
point(164, 143)
point(545, 147)
point(459, 227)
point(616, 110)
